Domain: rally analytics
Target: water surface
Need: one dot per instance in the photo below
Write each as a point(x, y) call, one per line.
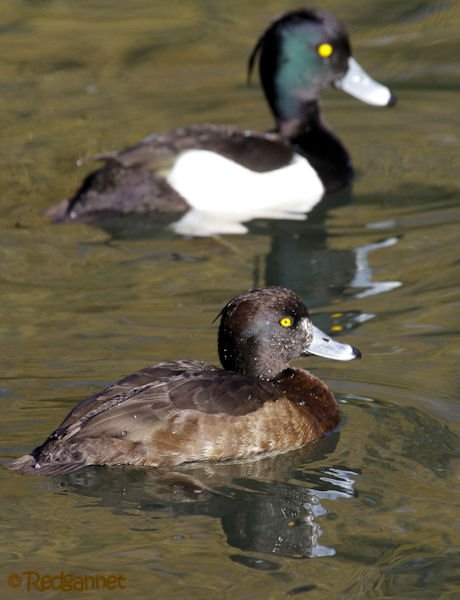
point(368, 512)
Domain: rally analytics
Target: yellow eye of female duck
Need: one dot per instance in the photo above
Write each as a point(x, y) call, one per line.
point(286, 321)
point(325, 50)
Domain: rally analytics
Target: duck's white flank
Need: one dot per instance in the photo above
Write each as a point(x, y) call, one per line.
point(212, 183)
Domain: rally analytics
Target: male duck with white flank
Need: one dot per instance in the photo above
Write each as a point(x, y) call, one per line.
point(219, 170)
point(188, 410)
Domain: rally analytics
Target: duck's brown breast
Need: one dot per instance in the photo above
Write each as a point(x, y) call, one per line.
point(314, 399)
point(304, 410)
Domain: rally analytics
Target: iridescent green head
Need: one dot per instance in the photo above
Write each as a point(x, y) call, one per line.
point(302, 53)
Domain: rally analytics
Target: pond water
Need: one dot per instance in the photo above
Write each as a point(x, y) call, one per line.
point(370, 511)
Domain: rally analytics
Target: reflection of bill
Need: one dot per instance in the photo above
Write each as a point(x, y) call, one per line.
point(300, 259)
point(65, 582)
point(363, 276)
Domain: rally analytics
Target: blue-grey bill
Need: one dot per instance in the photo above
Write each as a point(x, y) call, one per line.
point(359, 84)
point(324, 346)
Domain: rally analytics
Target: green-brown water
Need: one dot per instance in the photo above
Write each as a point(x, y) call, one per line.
point(375, 505)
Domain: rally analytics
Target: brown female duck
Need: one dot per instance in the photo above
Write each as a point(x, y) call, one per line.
point(188, 410)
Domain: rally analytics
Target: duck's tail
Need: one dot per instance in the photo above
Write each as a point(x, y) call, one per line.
point(29, 465)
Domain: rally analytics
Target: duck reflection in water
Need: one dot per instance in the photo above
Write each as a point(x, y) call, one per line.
point(258, 511)
point(300, 257)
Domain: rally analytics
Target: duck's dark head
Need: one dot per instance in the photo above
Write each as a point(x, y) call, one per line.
point(263, 330)
point(302, 53)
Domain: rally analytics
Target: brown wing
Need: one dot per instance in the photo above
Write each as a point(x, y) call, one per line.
point(140, 401)
point(127, 387)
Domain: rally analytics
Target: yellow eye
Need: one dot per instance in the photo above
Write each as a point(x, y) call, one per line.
point(286, 321)
point(325, 50)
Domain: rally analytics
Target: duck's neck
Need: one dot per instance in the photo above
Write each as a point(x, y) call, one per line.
point(311, 138)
